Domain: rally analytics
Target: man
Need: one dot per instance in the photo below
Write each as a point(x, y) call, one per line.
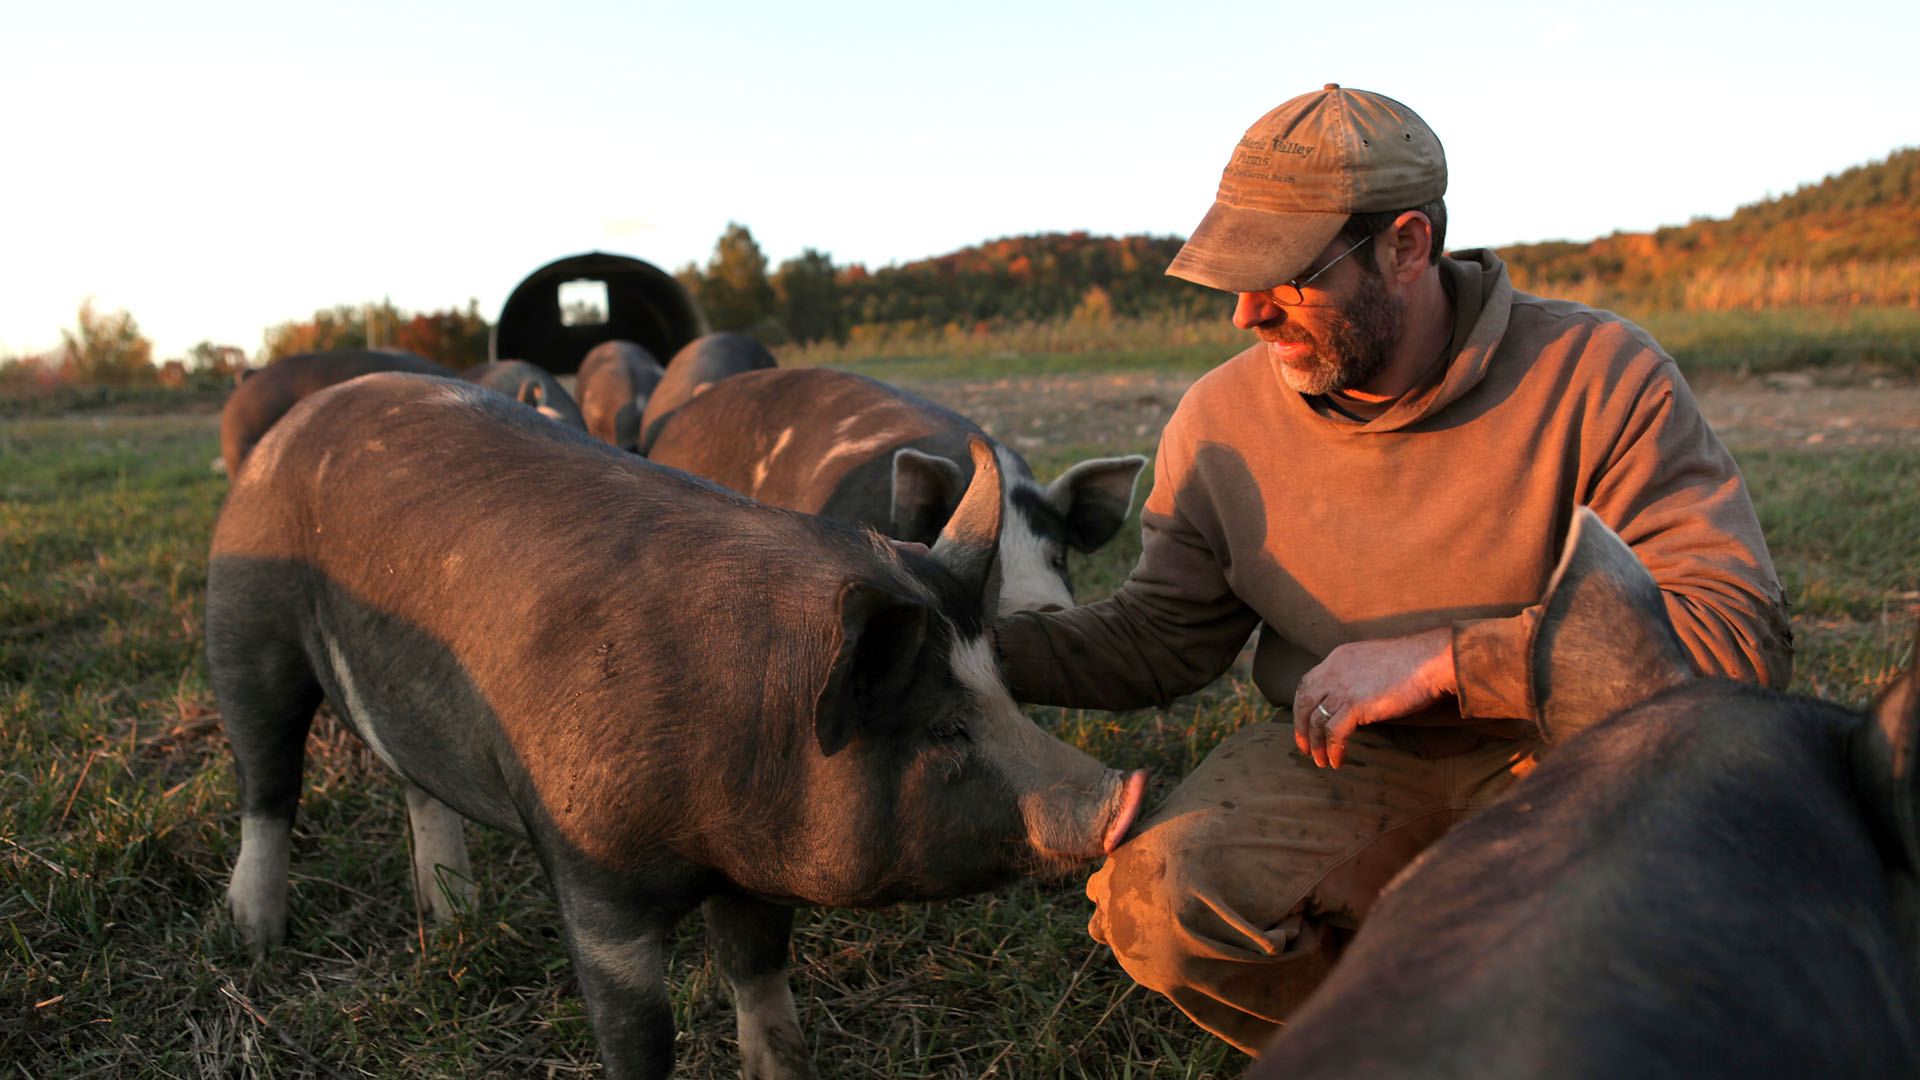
point(1381, 483)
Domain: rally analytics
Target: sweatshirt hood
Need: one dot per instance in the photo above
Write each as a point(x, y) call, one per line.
point(1482, 295)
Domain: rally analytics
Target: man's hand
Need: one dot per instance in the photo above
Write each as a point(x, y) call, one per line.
point(1366, 682)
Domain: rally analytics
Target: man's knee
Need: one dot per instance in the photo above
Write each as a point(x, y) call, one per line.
point(1165, 900)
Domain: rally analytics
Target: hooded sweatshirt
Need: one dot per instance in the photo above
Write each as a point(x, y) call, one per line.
point(1269, 508)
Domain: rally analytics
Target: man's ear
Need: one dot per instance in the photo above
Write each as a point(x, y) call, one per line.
point(1412, 239)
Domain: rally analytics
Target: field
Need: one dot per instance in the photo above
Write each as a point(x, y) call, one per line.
point(118, 828)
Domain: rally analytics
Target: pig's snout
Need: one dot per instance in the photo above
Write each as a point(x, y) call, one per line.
point(1133, 793)
point(1069, 825)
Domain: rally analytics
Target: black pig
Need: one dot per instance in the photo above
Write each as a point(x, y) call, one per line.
point(614, 382)
point(679, 696)
point(860, 451)
point(264, 396)
point(1700, 879)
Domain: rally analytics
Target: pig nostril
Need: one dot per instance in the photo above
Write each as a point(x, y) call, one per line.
point(1048, 608)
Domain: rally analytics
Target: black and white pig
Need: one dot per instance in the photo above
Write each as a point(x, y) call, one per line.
point(860, 451)
point(529, 384)
point(264, 396)
point(698, 365)
point(612, 386)
point(681, 697)
point(1700, 879)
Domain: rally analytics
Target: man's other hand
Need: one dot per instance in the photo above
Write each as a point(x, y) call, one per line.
point(1366, 682)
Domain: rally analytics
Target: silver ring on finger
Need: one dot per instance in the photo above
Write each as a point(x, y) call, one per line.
point(1323, 712)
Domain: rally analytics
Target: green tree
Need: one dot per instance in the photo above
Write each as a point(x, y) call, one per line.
point(205, 356)
point(106, 350)
point(734, 291)
point(808, 289)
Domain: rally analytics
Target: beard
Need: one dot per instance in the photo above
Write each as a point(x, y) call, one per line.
point(1352, 348)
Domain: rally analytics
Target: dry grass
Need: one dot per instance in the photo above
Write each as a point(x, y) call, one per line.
point(117, 826)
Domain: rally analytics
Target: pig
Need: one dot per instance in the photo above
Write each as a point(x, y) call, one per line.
point(264, 396)
point(699, 364)
point(860, 451)
point(682, 698)
point(614, 382)
point(1701, 878)
point(529, 384)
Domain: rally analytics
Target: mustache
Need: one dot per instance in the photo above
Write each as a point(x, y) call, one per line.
point(1282, 332)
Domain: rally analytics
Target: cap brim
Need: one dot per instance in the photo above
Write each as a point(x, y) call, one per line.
point(1240, 250)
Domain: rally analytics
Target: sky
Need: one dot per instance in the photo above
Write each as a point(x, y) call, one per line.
point(217, 168)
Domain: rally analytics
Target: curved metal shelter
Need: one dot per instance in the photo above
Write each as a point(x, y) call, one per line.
point(565, 308)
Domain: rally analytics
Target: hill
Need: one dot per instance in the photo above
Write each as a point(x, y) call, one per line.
point(1852, 238)
point(1025, 279)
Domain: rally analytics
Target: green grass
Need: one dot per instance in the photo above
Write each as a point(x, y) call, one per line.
point(117, 826)
point(1705, 343)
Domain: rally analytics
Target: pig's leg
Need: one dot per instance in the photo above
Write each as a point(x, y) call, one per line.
point(441, 871)
point(619, 957)
point(267, 700)
point(748, 939)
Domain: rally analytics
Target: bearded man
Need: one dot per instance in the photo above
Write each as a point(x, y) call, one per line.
point(1381, 484)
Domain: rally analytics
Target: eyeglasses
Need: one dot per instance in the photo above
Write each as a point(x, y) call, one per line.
point(1282, 291)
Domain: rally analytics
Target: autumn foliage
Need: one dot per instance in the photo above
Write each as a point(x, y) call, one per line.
point(1853, 238)
point(455, 338)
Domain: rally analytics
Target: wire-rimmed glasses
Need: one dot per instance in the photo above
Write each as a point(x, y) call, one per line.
point(1282, 291)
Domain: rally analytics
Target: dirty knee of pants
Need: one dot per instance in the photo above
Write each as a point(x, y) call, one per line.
point(1235, 896)
point(1236, 972)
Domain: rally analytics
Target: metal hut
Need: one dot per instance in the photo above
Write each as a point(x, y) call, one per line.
point(565, 308)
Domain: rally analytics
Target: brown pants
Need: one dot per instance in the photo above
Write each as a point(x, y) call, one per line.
point(1236, 895)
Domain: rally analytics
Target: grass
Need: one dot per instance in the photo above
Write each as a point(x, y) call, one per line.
point(117, 825)
point(1848, 338)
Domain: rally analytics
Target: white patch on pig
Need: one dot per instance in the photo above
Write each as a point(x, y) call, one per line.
point(358, 714)
point(860, 448)
point(974, 665)
point(635, 963)
point(257, 895)
point(766, 461)
point(1028, 581)
point(441, 870)
point(1065, 797)
point(457, 394)
point(769, 1027)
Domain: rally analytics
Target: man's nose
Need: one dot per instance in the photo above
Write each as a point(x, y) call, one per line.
point(1254, 308)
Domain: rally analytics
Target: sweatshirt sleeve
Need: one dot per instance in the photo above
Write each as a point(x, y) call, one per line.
point(1171, 629)
point(1670, 489)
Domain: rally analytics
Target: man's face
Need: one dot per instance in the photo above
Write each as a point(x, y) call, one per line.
point(1340, 337)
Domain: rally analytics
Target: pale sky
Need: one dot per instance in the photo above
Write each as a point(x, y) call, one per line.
point(216, 168)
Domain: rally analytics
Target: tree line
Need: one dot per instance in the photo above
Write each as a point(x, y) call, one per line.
point(1852, 238)
point(1008, 281)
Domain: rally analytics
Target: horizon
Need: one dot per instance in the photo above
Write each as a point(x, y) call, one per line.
point(218, 169)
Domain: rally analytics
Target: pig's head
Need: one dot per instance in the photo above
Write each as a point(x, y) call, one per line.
point(1605, 646)
point(1080, 510)
point(930, 780)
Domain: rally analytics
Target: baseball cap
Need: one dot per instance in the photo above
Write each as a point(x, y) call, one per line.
point(1298, 174)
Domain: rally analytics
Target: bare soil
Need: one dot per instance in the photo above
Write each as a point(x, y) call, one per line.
point(1785, 410)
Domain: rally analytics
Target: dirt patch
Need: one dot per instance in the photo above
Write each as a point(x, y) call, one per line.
point(1033, 413)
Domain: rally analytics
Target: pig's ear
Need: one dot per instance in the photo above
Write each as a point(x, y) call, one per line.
point(1885, 761)
point(1095, 497)
point(972, 535)
point(881, 637)
point(1604, 641)
point(924, 489)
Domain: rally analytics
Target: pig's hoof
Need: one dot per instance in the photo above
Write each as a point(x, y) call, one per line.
point(261, 927)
